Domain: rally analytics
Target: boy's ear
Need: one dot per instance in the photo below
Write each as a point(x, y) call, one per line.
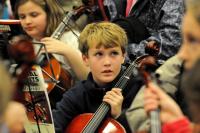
point(85, 60)
point(124, 56)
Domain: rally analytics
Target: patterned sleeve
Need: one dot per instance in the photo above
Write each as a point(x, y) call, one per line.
point(168, 30)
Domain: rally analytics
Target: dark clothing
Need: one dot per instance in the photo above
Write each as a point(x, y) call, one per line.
point(163, 20)
point(86, 96)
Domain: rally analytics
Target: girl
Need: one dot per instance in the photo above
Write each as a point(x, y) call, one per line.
point(39, 19)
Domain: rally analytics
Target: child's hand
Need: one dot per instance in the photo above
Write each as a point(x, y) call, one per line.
point(114, 98)
point(54, 45)
point(155, 97)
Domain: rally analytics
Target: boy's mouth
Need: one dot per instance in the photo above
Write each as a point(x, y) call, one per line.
point(107, 71)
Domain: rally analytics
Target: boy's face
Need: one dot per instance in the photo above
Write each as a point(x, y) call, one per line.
point(191, 40)
point(104, 63)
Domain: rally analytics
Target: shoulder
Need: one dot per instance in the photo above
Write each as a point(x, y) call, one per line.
point(170, 73)
point(172, 62)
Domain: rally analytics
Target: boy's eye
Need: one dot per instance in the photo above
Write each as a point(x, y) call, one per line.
point(114, 53)
point(98, 54)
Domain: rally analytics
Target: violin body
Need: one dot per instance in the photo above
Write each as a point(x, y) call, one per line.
point(109, 125)
point(58, 80)
point(63, 77)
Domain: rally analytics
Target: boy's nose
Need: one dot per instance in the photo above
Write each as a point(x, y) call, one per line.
point(107, 61)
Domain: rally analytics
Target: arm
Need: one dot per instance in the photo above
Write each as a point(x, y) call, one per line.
point(71, 54)
point(167, 33)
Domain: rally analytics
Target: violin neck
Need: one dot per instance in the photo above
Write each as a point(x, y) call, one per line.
point(155, 121)
point(63, 24)
point(104, 108)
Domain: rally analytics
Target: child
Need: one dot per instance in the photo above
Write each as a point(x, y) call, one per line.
point(171, 116)
point(39, 19)
point(103, 48)
point(173, 120)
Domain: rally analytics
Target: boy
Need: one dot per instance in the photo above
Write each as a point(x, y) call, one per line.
point(103, 48)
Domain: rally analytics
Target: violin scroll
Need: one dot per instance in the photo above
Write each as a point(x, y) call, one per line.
point(21, 50)
point(152, 48)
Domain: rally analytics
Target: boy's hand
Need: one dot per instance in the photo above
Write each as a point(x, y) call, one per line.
point(114, 98)
point(152, 48)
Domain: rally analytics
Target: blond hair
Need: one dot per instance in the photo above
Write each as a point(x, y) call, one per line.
point(105, 34)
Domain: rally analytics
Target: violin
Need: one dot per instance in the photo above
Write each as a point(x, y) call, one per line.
point(52, 70)
point(51, 67)
point(90, 123)
point(22, 51)
point(149, 62)
point(147, 66)
point(58, 79)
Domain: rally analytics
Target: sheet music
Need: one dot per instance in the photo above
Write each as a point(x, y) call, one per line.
point(35, 83)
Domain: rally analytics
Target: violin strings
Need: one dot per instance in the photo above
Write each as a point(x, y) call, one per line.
point(68, 25)
point(104, 107)
point(98, 116)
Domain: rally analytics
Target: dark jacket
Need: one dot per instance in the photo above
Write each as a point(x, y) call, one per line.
point(86, 96)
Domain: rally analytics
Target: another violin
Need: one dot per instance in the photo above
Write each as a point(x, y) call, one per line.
point(58, 79)
point(147, 64)
point(22, 52)
point(53, 73)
